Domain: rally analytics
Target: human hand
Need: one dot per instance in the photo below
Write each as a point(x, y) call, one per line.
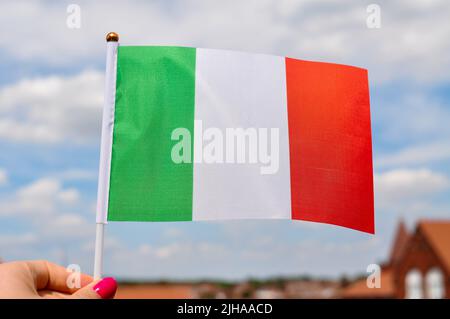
point(42, 279)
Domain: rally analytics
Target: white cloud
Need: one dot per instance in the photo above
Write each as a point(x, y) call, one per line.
point(56, 109)
point(3, 177)
point(325, 30)
point(49, 207)
point(52, 109)
point(34, 198)
point(44, 188)
point(408, 189)
point(69, 196)
point(41, 197)
point(173, 232)
point(415, 155)
point(17, 240)
point(68, 227)
point(402, 183)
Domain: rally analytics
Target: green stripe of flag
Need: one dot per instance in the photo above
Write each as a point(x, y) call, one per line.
point(155, 93)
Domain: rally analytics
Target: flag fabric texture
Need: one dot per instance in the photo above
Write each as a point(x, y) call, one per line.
point(320, 110)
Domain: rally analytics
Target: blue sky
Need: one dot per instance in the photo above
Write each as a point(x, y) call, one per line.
point(51, 91)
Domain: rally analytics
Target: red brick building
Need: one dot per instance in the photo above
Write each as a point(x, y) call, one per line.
point(418, 267)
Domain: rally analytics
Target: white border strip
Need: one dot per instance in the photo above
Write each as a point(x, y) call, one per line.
point(107, 132)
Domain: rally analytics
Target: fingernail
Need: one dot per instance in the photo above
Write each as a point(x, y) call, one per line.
point(106, 288)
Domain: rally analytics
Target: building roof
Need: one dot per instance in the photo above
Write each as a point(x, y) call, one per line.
point(401, 239)
point(154, 291)
point(437, 234)
point(359, 289)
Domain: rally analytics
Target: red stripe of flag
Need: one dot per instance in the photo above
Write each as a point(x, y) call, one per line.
point(330, 144)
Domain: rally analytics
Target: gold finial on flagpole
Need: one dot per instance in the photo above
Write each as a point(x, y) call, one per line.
point(112, 37)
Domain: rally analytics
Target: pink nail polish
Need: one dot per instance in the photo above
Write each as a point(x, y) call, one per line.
point(106, 288)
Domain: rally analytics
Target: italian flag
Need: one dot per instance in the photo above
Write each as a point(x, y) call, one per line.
point(316, 114)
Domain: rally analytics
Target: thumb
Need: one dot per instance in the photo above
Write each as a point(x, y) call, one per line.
point(100, 289)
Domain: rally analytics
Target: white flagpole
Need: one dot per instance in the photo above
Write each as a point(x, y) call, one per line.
point(112, 42)
point(98, 258)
